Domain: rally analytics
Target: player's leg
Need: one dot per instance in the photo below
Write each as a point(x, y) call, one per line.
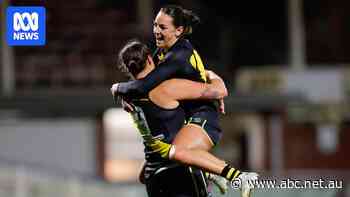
point(192, 144)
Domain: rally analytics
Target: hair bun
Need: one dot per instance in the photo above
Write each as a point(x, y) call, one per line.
point(192, 19)
point(132, 63)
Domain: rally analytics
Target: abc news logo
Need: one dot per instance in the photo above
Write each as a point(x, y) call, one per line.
point(29, 29)
point(25, 26)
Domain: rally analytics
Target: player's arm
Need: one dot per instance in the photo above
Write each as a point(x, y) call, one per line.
point(138, 88)
point(183, 89)
point(211, 76)
point(169, 92)
point(216, 86)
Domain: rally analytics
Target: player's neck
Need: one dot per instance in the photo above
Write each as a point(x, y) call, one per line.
point(172, 43)
point(144, 73)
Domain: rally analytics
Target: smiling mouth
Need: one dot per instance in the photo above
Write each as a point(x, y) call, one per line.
point(159, 38)
point(159, 42)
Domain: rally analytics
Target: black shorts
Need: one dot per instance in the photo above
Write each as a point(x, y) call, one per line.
point(209, 121)
point(178, 181)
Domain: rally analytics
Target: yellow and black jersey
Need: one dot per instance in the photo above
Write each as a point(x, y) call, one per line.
point(164, 124)
point(187, 58)
point(158, 173)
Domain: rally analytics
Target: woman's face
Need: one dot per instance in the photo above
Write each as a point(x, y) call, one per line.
point(165, 33)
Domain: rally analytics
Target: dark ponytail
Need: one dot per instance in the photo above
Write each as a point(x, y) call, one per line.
point(191, 20)
point(182, 17)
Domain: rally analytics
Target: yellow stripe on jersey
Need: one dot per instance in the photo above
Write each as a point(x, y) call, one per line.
point(197, 64)
point(161, 56)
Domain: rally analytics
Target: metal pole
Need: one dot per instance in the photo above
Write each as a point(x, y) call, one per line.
point(276, 145)
point(296, 35)
point(7, 60)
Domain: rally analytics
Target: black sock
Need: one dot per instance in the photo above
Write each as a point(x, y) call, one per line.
point(230, 173)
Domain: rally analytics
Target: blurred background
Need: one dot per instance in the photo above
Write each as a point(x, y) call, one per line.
point(285, 63)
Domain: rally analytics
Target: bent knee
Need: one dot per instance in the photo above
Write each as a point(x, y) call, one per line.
point(194, 139)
